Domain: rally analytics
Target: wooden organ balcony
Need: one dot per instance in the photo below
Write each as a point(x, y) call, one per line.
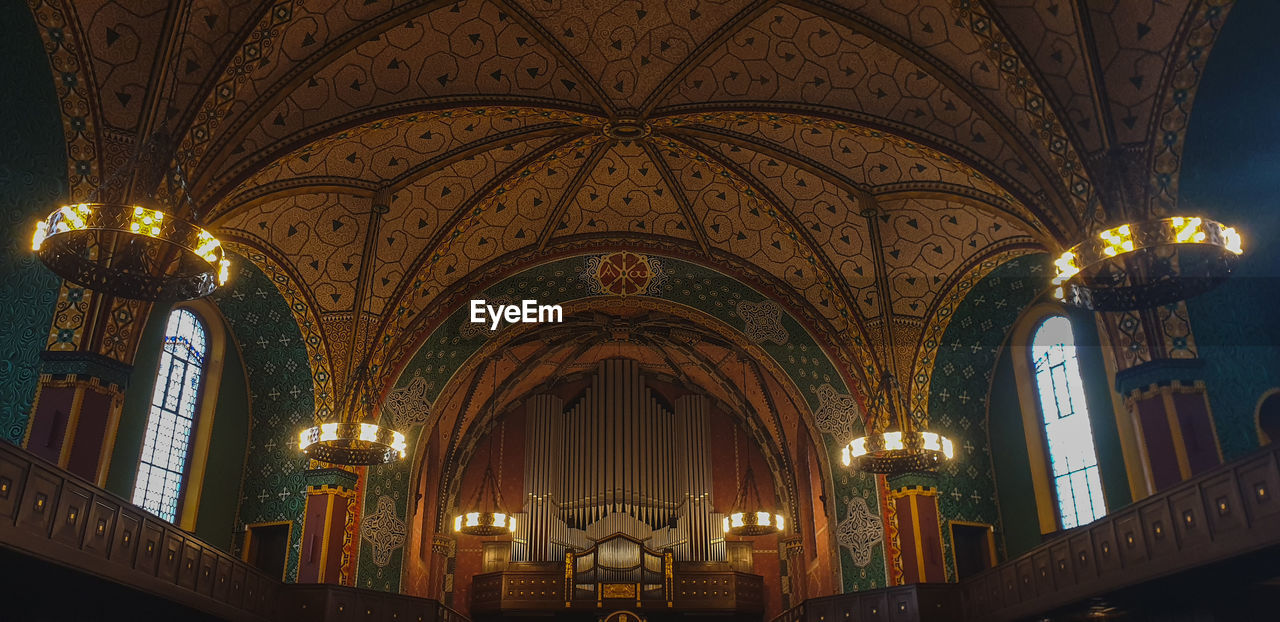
point(617, 574)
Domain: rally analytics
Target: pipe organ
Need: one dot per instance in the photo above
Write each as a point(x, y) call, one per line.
point(618, 460)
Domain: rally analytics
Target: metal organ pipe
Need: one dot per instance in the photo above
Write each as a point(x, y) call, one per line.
point(617, 460)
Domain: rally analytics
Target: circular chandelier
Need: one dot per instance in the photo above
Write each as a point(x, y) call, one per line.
point(753, 523)
point(352, 444)
point(1147, 264)
point(131, 251)
point(749, 518)
point(908, 449)
point(892, 453)
point(485, 516)
point(484, 523)
point(485, 519)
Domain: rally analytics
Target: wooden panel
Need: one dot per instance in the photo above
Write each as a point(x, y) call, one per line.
point(39, 500)
point(222, 579)
point(1061, 566)
point(1084, 558)
point(1227, 518)
point(235, 595)
point(874, 606)
point(124, 543)
point(13, 474)
point(1026, 579)
point(1157, 526)
point(1130, 536)
point(1042, 566)
point(189, 569)
point(1259, 484)
point(1009, 591)
point(207, 567)
point(1106, 552)
point(170, 556)
point(902, 604)
point(68, 522)
point(1187, 513)
point(100, 527)
point(150, 547)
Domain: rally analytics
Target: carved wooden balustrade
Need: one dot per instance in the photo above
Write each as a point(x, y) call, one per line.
point(49, 514)
point(1222, 514)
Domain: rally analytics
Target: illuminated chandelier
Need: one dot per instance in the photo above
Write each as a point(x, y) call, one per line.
point(897, 441)
point(1147, 264)
point(130, 249)
point(354, 439)
point(749, 517)
point(485, 515)
point(909, 448)
point(351, 441)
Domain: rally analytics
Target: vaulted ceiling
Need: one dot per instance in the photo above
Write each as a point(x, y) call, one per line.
point(384, 155)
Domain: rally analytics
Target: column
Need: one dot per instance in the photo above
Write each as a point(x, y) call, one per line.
point(1159, 377)
point(326, 526)
point(77, 407)
point(914, 507)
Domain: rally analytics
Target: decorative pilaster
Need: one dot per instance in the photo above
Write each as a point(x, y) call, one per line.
point(915, 510)
point(1170, 409)
point(795, 587)
point(331, 495)
point(1160, 379)
point(76, 410)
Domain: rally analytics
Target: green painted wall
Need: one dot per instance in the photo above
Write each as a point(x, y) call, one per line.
point(1231, 172)
point(1010, 462)
point(278, 373)
point(962, 377)
point(1102, 416)
point(216, 521)
point(216, 515)
point(33, 180)
point(137, 406)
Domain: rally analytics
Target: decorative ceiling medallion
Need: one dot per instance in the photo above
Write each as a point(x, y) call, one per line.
point(627, 129)
point(624, 273)
point(131, 251)
point(1147, 264)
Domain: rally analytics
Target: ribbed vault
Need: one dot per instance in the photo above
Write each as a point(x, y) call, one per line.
point(385, 154)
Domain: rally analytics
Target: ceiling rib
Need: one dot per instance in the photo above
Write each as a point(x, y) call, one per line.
point(406, 284)
point(329, 51)
point(571, 192)
point(568, 60)
point(700, 53)
point(840, 286)
point(682, 199)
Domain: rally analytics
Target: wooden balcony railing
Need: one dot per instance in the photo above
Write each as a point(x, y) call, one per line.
point(52, 515)
point(1230, 511)
point(1224, 513)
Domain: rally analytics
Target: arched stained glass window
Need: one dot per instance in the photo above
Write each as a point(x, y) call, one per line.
point(1066, 424)
point(173, 411)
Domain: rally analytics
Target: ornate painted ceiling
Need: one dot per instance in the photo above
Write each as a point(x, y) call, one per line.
point(382, 158)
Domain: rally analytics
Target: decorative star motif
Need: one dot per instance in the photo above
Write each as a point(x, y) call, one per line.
point(383, 530)
point(860, 531)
